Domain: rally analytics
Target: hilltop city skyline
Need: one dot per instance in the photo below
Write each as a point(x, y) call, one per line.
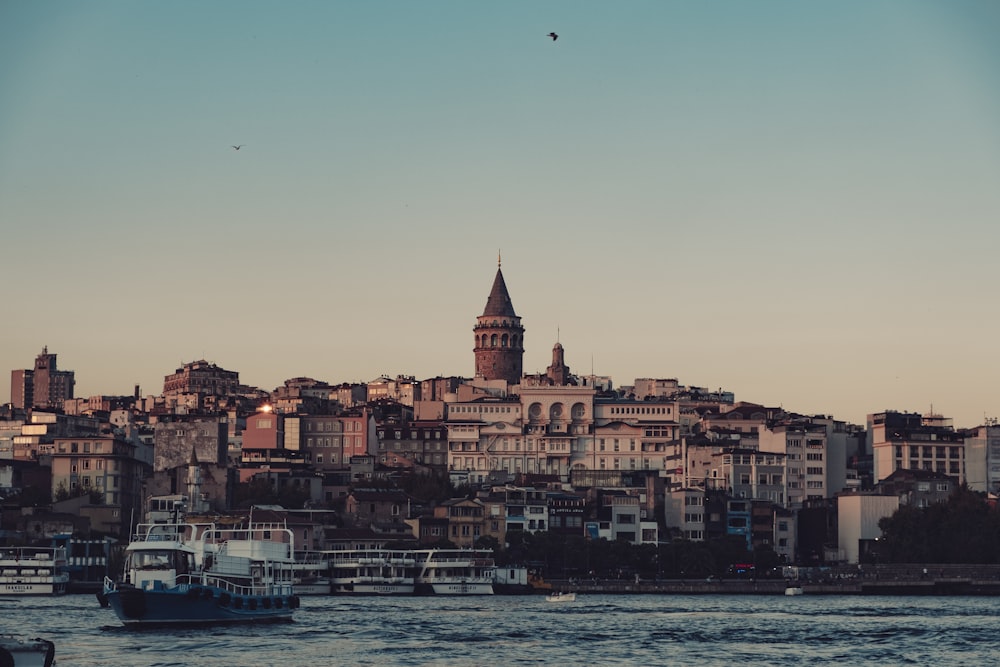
point(499, 304)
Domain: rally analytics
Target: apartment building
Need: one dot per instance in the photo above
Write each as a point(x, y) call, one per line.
point(804, 447)
point(916, 442)
point(44, 386)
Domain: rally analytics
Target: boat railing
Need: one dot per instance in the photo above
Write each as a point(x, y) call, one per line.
point(234, 587)
point(46, 554)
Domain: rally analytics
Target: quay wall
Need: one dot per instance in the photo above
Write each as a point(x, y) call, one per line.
point(910, 579)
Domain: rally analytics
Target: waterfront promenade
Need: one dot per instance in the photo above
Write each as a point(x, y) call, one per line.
point(910, 579)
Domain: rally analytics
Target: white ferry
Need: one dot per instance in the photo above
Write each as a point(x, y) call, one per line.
point(311, 573)
point(373, 572)
point(455, 571)
point(33, 570)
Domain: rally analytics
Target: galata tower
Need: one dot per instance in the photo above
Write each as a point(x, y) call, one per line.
point(499, 336)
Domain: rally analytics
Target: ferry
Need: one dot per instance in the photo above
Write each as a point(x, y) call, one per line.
point(373, 572)
point(200, 573)
point(311, 573)
point(33, 571)
point(455, 572)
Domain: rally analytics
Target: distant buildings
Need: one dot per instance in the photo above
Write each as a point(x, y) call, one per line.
point(44, 387)
point(552, 451)
point(912, 441)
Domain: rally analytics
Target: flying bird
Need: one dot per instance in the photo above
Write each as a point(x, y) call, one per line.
point(238, 147)
point(553, 36)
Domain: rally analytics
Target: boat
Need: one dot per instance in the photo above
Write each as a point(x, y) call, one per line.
point(311, 573)
point(455, 571)
point(793, 590)
point(199, 573)
point(22, 652)
point(33, 571)
point(560, 596)
point(373, 572)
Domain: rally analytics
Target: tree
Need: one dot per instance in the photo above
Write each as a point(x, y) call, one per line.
point(963, 529)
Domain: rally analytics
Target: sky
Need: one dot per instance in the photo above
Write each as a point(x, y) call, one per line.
point(793, 201)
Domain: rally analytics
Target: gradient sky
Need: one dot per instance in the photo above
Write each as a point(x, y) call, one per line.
point(794, 201)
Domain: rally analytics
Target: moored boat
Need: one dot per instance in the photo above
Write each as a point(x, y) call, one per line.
point(373, 572)
point(793, 590)
point(33, 571)
point(455, 571)
point(22, 652)
point(311, 573)
point(191, 573)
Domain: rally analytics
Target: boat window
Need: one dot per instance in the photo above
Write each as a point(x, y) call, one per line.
point(151, 560)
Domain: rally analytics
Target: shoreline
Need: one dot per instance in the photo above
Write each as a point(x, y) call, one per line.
point(778, 586)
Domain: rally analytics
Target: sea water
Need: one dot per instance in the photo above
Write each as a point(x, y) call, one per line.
point(495, 631)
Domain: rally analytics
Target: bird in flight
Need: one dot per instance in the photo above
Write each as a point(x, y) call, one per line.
point(238, 147)
point(553, 36)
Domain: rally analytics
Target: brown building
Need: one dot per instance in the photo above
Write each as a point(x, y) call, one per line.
point(43, 387)
point(499, 337)
point(370, 507)
point(201, 377)
point(416, 445)
point(104, 465)
point(466, 520)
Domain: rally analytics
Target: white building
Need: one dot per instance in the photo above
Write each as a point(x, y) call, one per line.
point(857, 523)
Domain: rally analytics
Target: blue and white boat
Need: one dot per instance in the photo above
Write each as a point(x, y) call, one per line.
point(201, 573)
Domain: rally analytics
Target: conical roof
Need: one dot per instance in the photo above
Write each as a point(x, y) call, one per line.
point(498, 304)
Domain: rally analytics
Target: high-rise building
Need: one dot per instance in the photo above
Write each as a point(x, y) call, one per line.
point(43, 387)
point(499, 347)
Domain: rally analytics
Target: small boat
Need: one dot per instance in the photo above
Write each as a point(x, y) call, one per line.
point(560, 597)
point(20, 652)
point(455, 571)
point(199, 573)
point(33, 571)
point(793, 590)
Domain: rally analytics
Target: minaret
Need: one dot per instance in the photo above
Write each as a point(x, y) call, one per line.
point(499, 347)
point(194, 484)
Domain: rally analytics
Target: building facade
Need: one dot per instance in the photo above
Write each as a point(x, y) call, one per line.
point(44, 387)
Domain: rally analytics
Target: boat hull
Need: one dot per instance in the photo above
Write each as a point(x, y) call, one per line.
point(455, 588)
point(372, 588)
point(197, 605)
point(51, 587)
